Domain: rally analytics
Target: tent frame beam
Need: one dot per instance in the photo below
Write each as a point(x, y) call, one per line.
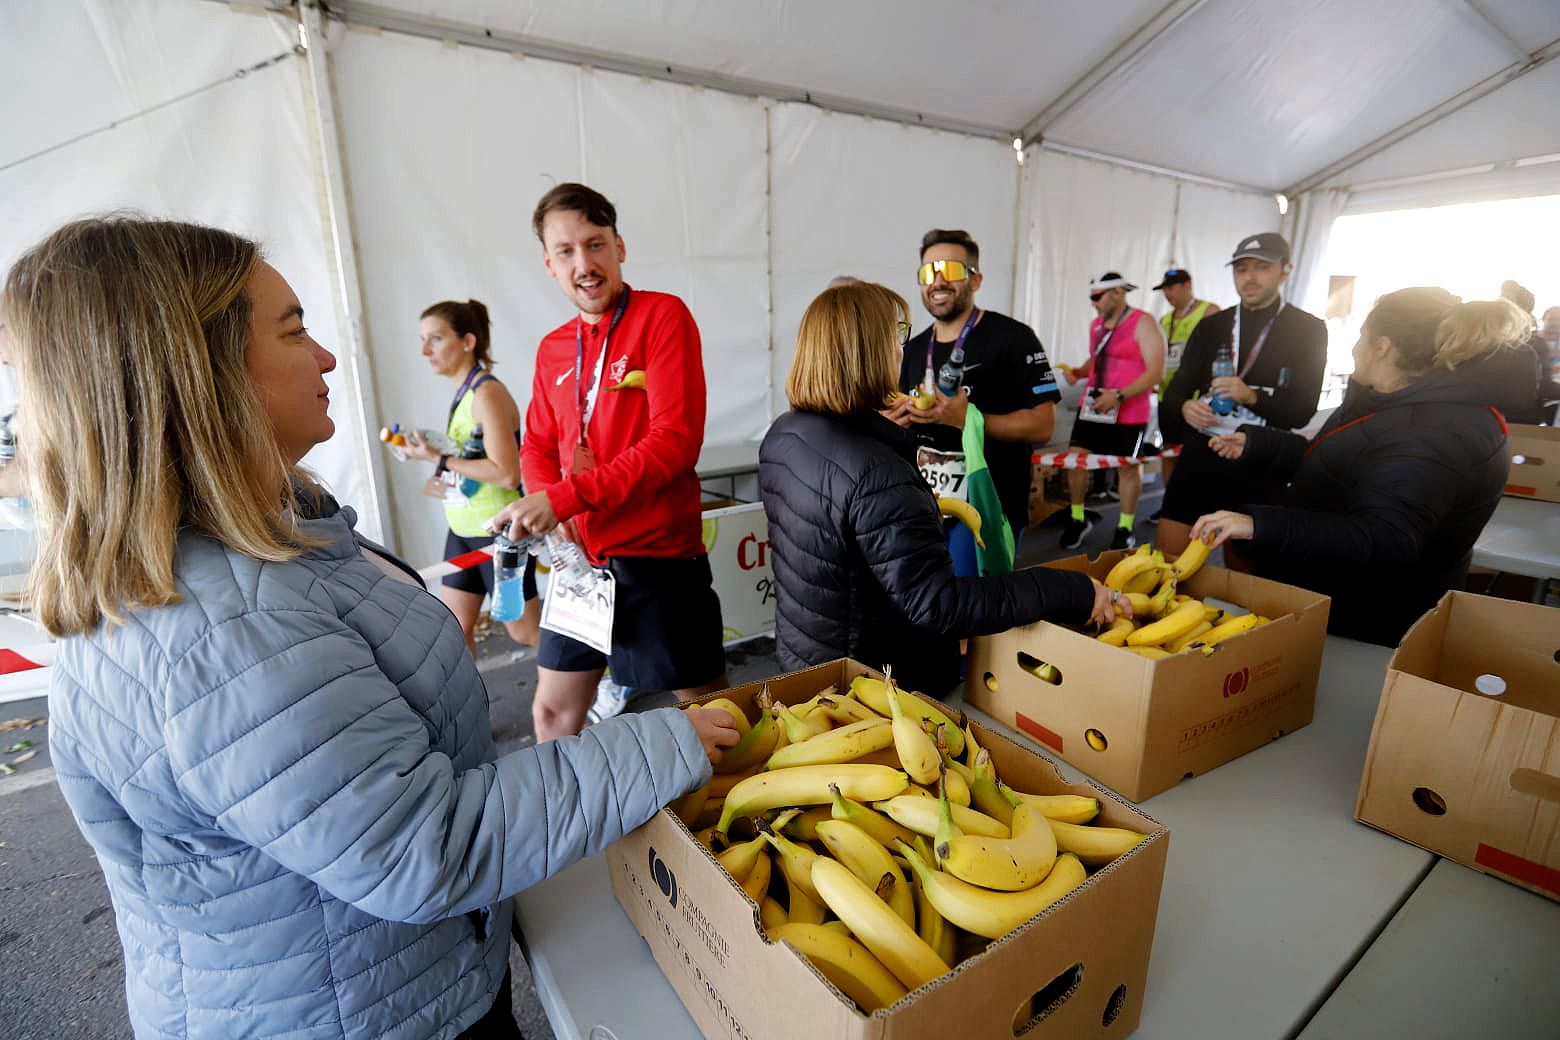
point(1489, 85)
point(1117, 58)
point(1518, 52)
point(1144, 167)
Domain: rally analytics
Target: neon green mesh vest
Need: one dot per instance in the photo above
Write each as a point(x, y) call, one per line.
point(467, 518)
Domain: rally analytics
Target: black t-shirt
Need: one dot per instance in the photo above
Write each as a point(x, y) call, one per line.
point(1006, 370)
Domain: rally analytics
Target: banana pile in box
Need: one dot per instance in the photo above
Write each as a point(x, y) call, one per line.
point(1163, 621)
point(824, 813)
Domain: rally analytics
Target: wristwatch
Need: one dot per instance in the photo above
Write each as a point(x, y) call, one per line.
point(444, 464)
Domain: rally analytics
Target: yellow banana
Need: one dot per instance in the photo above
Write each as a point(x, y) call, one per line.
point(837, 745)
point(1095, 846)
point(690, 806)
point(1153, 653)
point(933, 928)
point(1212, 613)
point(1175, 646)
point(1063, 808)
point(994, 798)
point(924, 399)
point(879, 928)
point(882, 830)
point(920, 815)
point(869, 861)
point(844, 962)
point(845, 710)
point(917, 751)
point(993, 914)
point(809, 785)
point(738, 716)
point(1005, 864)
point(1191, 559)
point(739, 859)
point(1117, 633)
point(963, 512)
point(958, 787)
point(1163, 601)
point(771, 914)
point(757, 745)
point(796, 860)
point(634, 380)
point(1180, 621)
point(1233, 627)
point(1130, 567)
point(1147, 580)
point(722, 783)
point(874, 694)
point(756, 884)
point(1139, 602)
point(804, 827)
point(801, 908)
point(797, 728)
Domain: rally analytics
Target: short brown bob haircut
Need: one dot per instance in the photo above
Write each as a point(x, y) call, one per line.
point(847, 350)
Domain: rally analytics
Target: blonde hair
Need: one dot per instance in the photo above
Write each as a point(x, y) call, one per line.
point(139, 415)
point(1431, 328)
point(846, 360)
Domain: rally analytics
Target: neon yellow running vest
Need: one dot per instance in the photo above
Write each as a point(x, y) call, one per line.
point(1179, 331)
point(467, 518)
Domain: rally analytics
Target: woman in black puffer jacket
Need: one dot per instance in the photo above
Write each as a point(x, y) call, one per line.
point(860, 562)
point(1384, 506)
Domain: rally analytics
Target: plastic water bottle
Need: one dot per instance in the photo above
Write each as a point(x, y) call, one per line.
point(7, 442)
point(508, 580)
point(1223, 365)
point(474, 449)
point(949, 378)
point(394, 435)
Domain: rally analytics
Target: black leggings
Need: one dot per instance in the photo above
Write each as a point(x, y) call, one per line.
point(499, 1023)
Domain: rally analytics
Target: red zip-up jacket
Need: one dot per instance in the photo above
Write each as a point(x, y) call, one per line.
point(642, 496)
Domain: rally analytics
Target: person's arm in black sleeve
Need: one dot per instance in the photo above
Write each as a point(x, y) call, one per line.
point(1399, 498)
point(1274, 453)
point(1291, 407)
point(1196, 372)
point(898, 533)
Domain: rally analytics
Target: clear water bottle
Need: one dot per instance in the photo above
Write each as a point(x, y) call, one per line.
point(508, 580)
point(7, 442)
point(473, 449)
point(1223, 365)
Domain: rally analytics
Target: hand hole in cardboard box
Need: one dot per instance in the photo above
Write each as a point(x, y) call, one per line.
point(1429, 801)
point(1047, 999)
point(1113, 1006)
point(1490, 685)
point(990, 681)
point(1042, 670)
point(1096, 739)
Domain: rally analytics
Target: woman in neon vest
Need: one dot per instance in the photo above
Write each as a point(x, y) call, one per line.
point(456, 342)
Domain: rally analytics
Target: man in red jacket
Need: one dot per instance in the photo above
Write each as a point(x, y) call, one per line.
point(613, 431)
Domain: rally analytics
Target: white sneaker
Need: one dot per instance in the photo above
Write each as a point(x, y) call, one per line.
point(610, 700)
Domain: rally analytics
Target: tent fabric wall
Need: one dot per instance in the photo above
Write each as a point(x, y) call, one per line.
point(1314, 214)
point(443, 181)
point(1210, 223)
point(180, 161)
point(853, 196)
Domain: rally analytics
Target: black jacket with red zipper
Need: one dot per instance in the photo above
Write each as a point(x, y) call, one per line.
point(1384, 506)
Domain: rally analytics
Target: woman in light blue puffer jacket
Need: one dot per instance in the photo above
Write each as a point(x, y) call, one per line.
point(274, 739)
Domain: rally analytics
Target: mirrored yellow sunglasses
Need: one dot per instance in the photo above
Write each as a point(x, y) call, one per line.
point(951, 271)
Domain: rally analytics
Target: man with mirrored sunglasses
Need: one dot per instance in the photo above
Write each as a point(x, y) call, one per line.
point(969, 355)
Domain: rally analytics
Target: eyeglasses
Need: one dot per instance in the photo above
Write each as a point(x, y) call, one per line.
point(903, 330)
point(951, 271)
point(1096, 297)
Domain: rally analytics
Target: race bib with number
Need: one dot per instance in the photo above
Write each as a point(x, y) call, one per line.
point(1087, 413)
point(1173, 354)
point(944, 472)
point(580, 598)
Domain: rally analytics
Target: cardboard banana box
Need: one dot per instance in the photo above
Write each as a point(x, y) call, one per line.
point(1464, 757)
point(1077, 970)
point(1142, 726)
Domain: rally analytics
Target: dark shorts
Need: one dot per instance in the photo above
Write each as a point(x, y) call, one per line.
point(666, 627)
point(1203, 483)
point(1124, 439)
point(478, 580)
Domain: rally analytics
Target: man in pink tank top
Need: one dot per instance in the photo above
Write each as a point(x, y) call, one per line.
point(1126, 360)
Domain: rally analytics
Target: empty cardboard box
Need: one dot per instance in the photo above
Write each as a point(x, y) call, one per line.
point(1535, 462)
point(1464, 757)
point(1143, 726)
point(1083, 961)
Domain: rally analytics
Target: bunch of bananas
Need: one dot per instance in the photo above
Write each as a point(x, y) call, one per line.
point(1165, 622)
point(824, 814)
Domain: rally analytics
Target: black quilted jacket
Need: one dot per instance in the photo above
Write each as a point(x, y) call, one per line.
point(1384, 507)
point(860, 563)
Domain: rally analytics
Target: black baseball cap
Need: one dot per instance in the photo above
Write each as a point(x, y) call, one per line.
point(1174, 276)
point(1269, 245)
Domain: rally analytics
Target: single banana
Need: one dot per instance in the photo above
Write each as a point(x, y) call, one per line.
point(756, 884)
point(1063, 808)
point(722, 783)
point(796, 860)
point(739, 859)
point(1163, 601)
point(797, 728)
point(924, 399)
point(963, 512)
point(845, 710)
point(879, 928)
point(1129, 567)
point(801, 908)
point(837, 745)
point(874, 694)
point(634, 380)
point(844, 962)
point(804, 827)
point(881, 829)
point(1095, 846)
point(920, 815)
point(690, 806)
point(933, 928)
point(1191, 559)
point(1005, 864)
point(1233, 627)
point(1140, 603)
point(917, 751)
point(1153, 653)
point(987, 913)
point(759, 743)
point(1148, 580)
point(809, 785)
point(869, 861)
point(994, 798)
point(1117, 633)
point(738, 716)
point(1180, 621)
point(958, 787)
point(1175, 646)
point(771, 914)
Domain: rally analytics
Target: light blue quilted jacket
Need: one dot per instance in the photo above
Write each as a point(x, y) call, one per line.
point(290, 783)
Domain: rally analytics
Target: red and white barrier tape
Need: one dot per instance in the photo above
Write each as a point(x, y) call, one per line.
point(464, 562)
point(1089, 460)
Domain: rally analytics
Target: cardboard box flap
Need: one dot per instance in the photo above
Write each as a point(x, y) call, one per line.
point(1535, 462)
point(1492, 647)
